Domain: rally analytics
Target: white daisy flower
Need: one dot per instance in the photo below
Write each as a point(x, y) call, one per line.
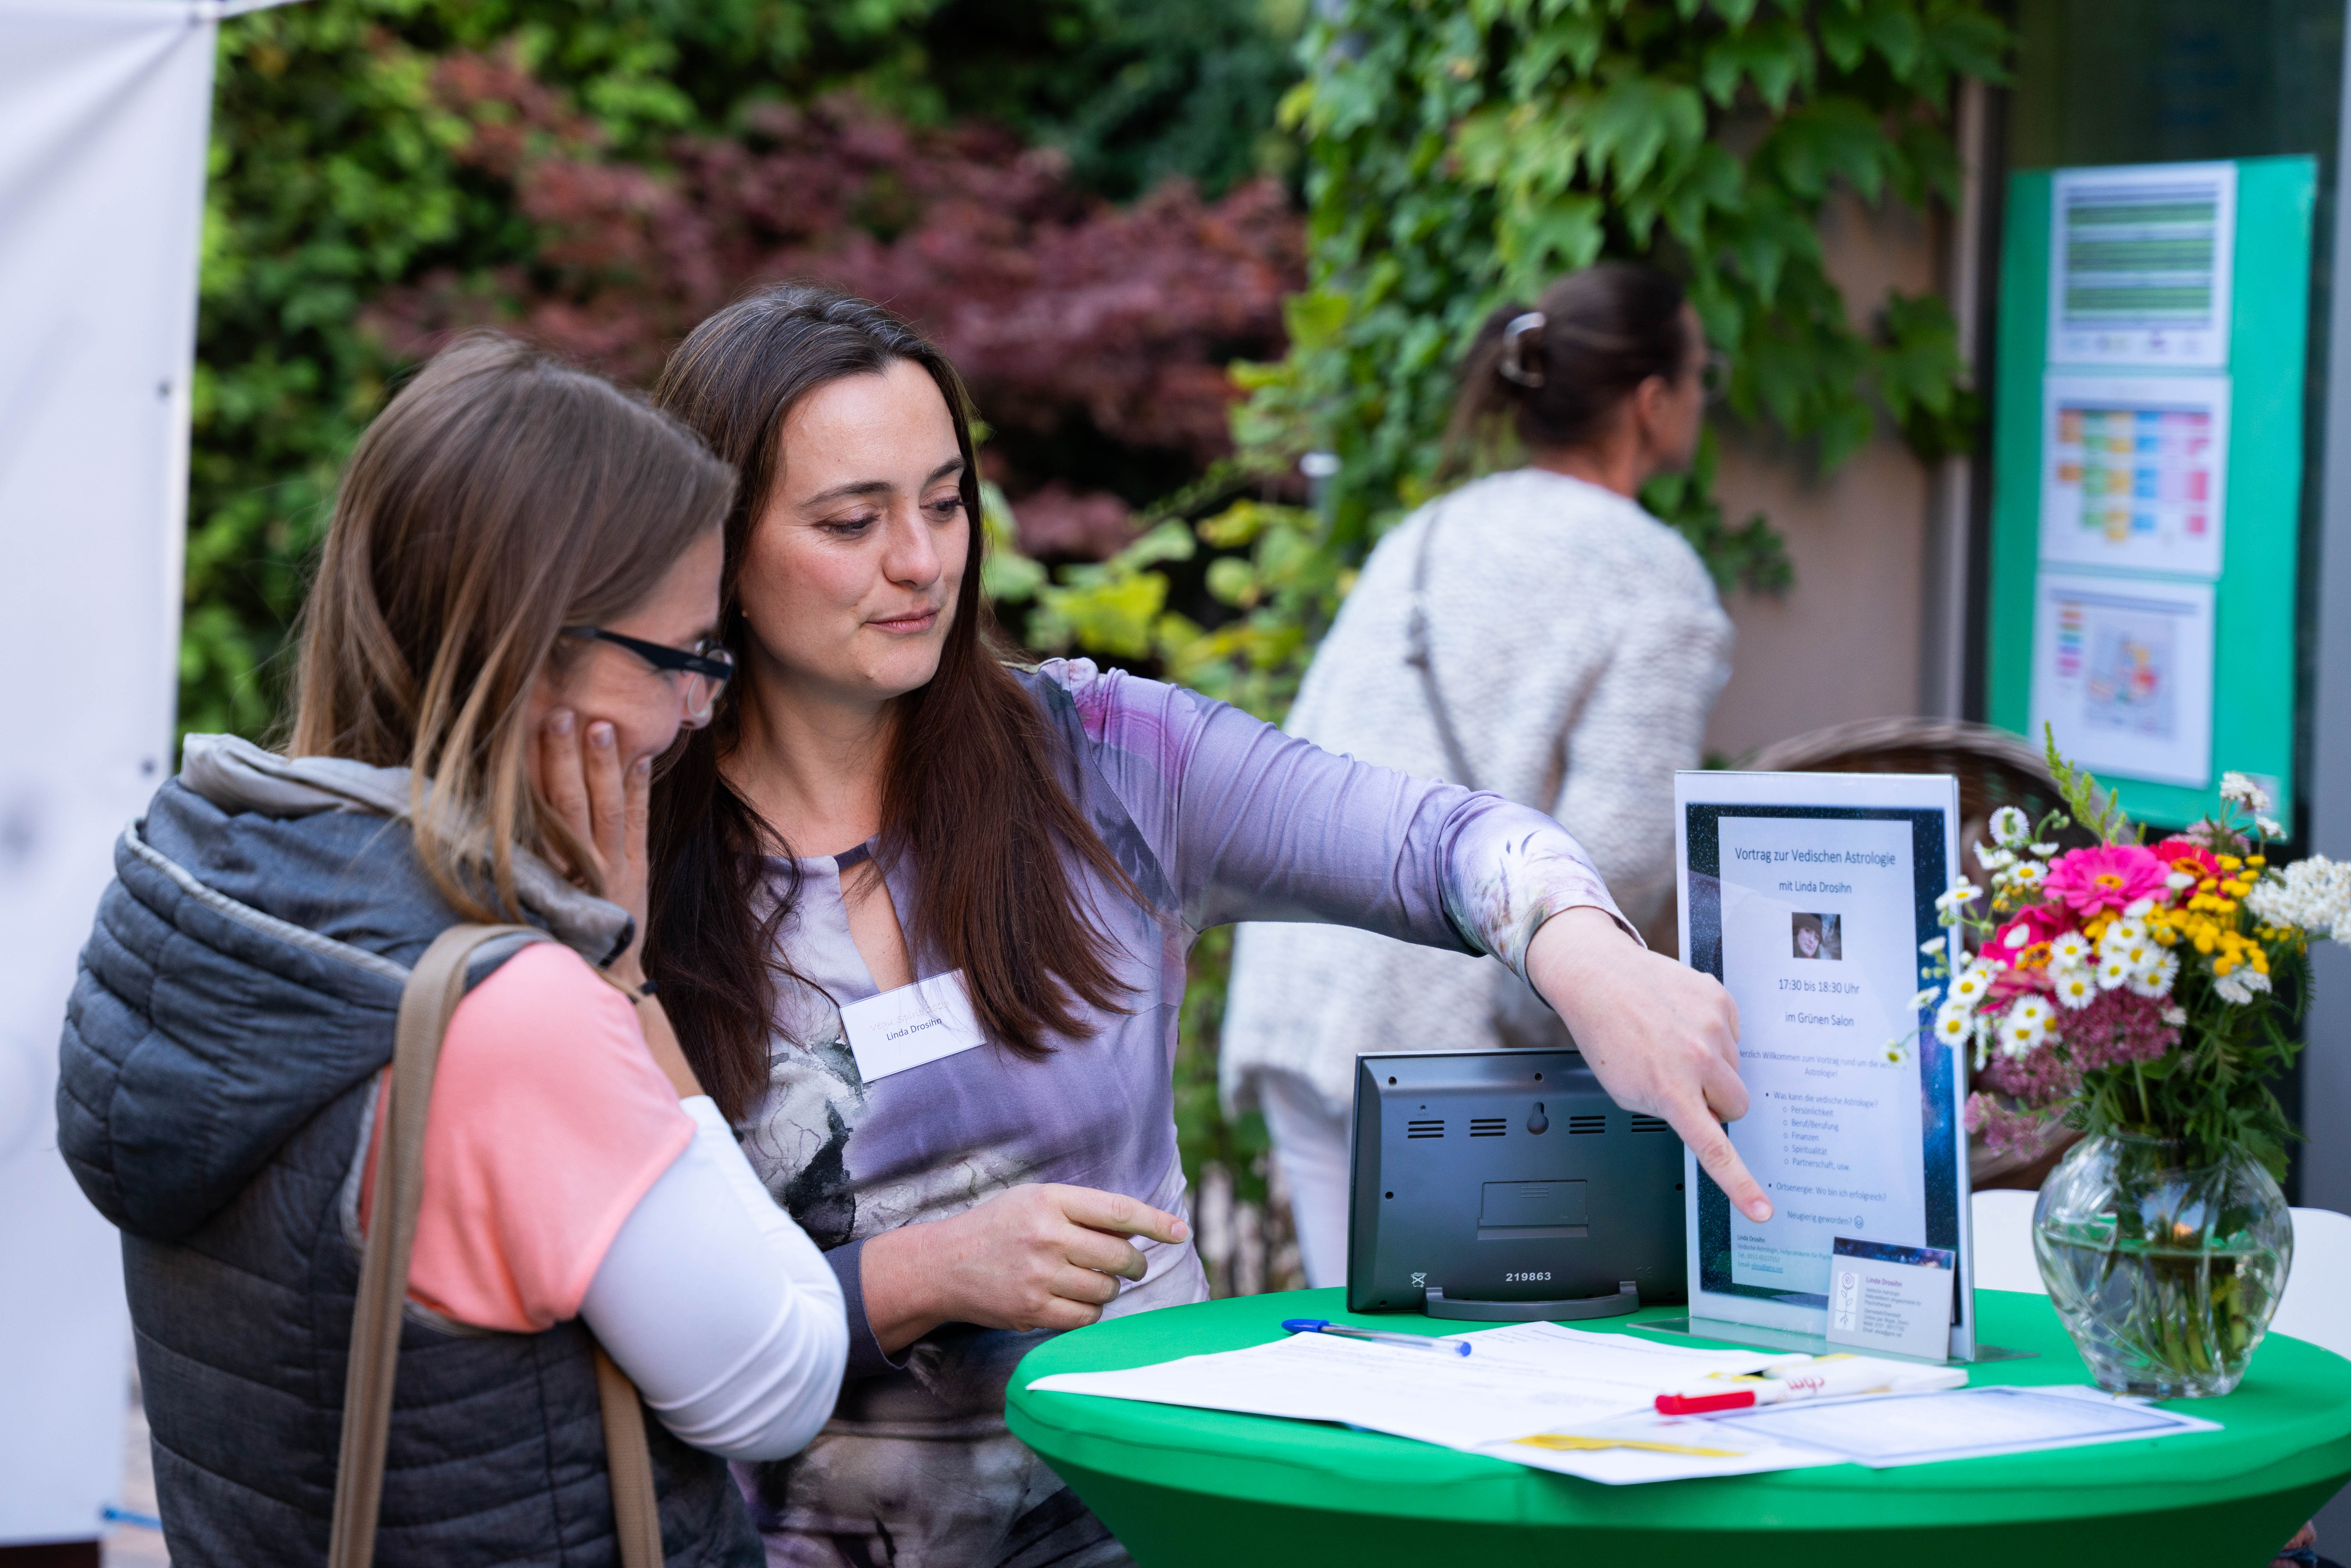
point(2044, 851)
point(2026, 876)
point(2069, 950)
point(1970, 986)
point(2137, 909)
point(2076, 989)
point(1925, 999)
point(1963, 892)
point(2121, 935)
point(2011, 827)
point(2114, 969)
point(1994, 859)
point(1953, 1024)
point(2156, 980)
point(2023, 1029)
point(2179, 882)
point(1939, 947)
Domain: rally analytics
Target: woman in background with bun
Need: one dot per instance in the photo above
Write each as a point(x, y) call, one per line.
point(1535, 634)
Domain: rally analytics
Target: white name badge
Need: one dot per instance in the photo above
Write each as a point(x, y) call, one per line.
point(911, 1026)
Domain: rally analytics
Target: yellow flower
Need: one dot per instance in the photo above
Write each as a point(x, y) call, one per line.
point(2257, 860)
point(2228, 862)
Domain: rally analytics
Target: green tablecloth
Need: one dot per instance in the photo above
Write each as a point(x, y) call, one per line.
point(1181, 1486)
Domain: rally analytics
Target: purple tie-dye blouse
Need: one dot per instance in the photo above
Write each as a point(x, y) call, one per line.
point(1216, 817)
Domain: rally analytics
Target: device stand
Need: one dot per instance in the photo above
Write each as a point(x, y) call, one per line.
point(1627, 1299)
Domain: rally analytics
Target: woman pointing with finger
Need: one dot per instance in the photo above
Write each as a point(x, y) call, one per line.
point(922, 920)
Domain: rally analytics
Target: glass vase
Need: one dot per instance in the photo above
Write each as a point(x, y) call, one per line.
point(2165, 1274)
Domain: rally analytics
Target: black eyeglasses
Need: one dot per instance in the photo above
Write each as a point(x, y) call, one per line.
point(706, 666)
point(1714, 376)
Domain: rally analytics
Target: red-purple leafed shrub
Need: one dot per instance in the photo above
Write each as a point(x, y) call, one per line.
point(1063, 313)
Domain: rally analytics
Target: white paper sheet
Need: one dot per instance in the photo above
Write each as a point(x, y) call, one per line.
point(2134, 472)
point(2141, 264)
point(1722, 1450)
point(2122, 668)
point(1962, 1423)
point(1521, 1379)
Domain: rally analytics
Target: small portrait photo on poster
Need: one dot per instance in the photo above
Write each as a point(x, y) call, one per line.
point(1816, 937)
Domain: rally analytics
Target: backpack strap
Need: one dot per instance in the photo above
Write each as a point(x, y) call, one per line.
point(434, 987)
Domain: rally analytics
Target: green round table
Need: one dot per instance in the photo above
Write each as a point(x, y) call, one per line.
point(1181, 1486)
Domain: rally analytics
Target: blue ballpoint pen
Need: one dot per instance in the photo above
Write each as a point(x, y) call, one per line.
point(1378, 1336)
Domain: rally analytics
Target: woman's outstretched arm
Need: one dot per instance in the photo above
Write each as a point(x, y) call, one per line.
point(1253, 824)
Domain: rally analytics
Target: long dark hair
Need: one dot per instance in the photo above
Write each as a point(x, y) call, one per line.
point(1605, 331)
point(500, 496)
point(970, 790)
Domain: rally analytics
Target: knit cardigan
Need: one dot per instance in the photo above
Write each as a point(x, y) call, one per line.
point(1579, 645)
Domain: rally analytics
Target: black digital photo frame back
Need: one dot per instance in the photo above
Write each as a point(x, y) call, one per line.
point(1504, 1186)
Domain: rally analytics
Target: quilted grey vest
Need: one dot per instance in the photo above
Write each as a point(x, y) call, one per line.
point(233, 1006)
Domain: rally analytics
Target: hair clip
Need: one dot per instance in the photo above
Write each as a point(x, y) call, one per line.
point(1513, 368)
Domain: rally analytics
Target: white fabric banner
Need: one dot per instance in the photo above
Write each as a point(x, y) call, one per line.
point(104, 112)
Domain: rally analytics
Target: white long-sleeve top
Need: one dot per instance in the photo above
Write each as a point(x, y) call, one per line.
point(719, 1308)
point(1579, 646)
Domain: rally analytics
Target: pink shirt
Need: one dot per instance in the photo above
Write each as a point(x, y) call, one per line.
point(549, 1123)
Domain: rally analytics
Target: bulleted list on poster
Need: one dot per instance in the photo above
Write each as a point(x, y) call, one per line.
point(1818, 952)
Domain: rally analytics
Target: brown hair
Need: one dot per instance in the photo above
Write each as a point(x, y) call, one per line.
point(1605, 329)
point(970, 792)
point(499, 498)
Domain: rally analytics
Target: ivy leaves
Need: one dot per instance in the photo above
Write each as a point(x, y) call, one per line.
point(1462, 158)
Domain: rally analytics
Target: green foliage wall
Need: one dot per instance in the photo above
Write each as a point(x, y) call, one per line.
point(1462, 156)
point(341, 173)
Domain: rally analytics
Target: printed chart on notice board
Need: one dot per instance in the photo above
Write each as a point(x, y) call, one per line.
point(2143, 265)
point(2136, 471)
point(2123, 672)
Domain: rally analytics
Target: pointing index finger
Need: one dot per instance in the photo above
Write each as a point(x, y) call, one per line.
point(1720, 1161)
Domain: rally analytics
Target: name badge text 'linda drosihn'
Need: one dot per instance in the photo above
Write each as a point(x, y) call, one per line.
point(911, 1026)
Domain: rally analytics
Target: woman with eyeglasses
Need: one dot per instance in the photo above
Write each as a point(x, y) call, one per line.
point(921, 918)
point(514, 616)
point(1536, 633)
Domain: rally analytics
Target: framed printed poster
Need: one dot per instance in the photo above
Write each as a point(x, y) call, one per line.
point(1810, 896)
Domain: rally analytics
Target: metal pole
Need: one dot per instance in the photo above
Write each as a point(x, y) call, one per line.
point(2326, 1069)
point(1943, 659)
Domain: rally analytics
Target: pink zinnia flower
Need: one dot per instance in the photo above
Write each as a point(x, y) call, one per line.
point(2111, 876)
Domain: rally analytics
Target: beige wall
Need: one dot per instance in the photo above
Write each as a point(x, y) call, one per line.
point(1845, 641)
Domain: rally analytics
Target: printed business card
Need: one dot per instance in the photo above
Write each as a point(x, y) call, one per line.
point(1887, 1297)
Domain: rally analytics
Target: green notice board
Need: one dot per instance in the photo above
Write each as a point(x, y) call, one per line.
point(2147, 473)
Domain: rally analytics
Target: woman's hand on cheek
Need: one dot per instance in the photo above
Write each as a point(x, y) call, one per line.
point(604, 803)
point(1040, 1256)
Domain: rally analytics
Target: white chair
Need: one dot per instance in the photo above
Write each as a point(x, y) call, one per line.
point(2317, 1302)
point(2003, 1241)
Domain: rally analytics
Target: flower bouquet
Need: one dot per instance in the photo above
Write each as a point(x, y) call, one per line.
point(2148, 994)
